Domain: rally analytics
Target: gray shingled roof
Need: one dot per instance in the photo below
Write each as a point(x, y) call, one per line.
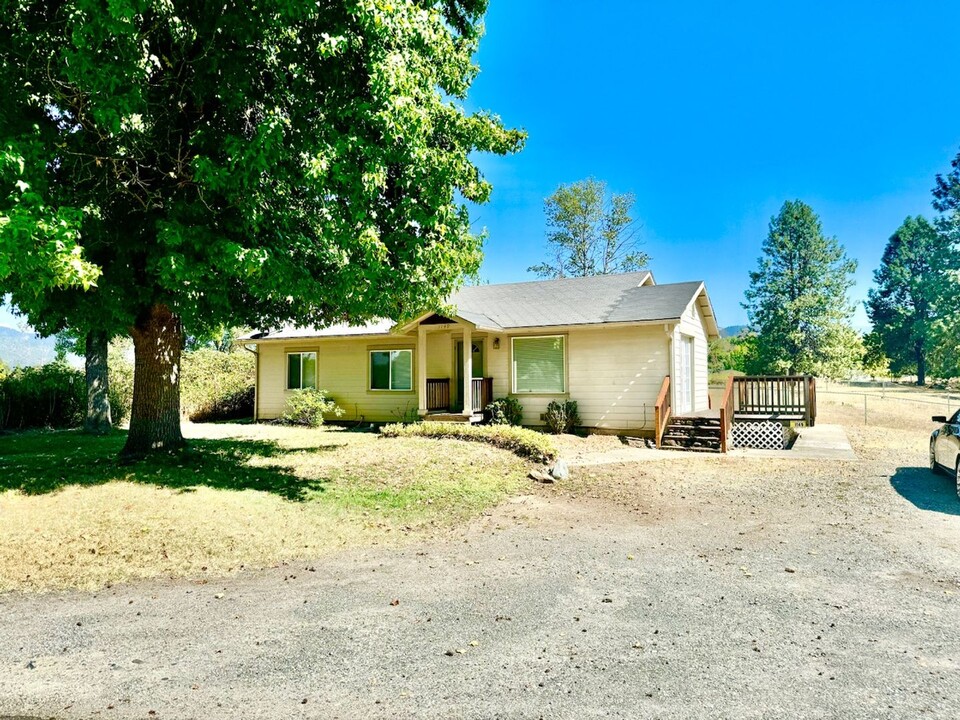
point(546, 303)
point(575, 301)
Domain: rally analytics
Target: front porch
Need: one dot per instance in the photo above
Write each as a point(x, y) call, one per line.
point(451, 359)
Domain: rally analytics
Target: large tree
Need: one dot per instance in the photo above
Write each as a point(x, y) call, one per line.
point(242, 163)
point(916, 287)
point(797, 300)
point(590, 232)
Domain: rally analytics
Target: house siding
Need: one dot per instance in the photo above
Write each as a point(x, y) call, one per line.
point(692, 324)
point(342, 369)
point(614, 375)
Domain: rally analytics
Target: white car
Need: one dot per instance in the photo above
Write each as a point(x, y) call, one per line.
point(945, 446)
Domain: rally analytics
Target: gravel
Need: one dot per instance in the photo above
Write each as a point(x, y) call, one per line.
point(691, 587)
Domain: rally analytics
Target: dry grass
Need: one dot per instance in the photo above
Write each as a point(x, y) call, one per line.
point(244, 496)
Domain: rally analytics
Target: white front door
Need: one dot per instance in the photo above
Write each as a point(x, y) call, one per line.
point(684, 396)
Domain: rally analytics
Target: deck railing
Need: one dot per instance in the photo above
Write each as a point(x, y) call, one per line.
point(661, 411)
point(726, 414)
point(438, 393)
point(776, 396)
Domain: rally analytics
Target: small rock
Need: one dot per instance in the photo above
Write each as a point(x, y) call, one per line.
point(395, 602)
point(560, 470)
point(31, 665)
point(449, 653)
point(789, 569)
point(541, 477)
point(218, 596)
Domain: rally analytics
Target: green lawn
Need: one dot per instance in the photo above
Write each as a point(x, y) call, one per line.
point(242, 496)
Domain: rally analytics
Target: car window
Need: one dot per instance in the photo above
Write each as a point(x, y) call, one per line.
point(955, 418)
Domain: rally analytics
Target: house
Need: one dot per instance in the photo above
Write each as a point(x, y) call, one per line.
point(607, 342)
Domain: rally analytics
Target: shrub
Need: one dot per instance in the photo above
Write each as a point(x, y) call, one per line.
point(217, 385)
point(505, 411)
point(561, 417)
point(520, 441)
point(52, 395)
point(308, 406)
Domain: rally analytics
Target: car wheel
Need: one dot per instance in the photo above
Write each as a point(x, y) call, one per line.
point(934, 465)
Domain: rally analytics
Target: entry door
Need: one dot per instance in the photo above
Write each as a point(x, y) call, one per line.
point(458, 367)
point(685, 376)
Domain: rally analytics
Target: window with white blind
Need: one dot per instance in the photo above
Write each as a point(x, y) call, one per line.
point(391, 370)
point(538, 364)
point(301, 370)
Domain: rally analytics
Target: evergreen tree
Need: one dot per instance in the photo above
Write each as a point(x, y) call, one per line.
point(916, 287)
point(797, 300)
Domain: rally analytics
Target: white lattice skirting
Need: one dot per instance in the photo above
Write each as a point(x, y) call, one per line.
point(765, 435)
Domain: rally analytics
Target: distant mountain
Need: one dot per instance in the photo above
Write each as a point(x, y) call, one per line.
point(733, 330)
point(19, 348)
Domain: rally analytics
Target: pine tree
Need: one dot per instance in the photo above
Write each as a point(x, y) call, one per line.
point(915, 283)
point(797, 300)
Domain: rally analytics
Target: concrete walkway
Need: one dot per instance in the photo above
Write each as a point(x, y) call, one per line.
point(823, 442)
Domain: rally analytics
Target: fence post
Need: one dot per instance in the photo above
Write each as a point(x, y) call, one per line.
point(864, 408)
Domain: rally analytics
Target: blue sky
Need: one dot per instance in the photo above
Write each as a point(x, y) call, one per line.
point(713, 114)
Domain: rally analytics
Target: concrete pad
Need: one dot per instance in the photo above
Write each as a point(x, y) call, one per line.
point(822, 442)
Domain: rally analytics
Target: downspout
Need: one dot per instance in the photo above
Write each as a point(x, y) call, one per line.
point(256, 384)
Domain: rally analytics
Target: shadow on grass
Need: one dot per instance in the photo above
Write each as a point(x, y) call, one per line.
point(46, 461)
point(936, 493)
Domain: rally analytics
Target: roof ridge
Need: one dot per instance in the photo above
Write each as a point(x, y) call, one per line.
point(558, 280)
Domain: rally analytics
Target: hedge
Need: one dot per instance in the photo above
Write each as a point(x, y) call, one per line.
point(521, 441)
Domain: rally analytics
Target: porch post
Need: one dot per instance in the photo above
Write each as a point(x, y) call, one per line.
point(422, 370)
point(467, 371)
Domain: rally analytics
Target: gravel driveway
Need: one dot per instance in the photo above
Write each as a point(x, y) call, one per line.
point(696, 587)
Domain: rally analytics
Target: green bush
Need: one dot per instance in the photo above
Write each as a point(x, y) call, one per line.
point(52, 395)
point(520, 441)
point(308, 406)
point(505, 411)
point(217, 385)
point(561, 417)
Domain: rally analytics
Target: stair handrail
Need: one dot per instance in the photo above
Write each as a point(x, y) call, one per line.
point(661, 410)
point(726, 414)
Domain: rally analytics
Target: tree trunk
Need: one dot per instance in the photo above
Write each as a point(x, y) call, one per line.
point(98, 420)
point(921, 364)
point(155, 415)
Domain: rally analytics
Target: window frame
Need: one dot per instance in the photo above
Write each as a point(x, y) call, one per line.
point(390, 388)
point(513, 366)
point(316, 369)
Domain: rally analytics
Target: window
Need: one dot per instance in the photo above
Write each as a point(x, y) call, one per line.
point(391, 369)
point(538, 364)
point(301, 370)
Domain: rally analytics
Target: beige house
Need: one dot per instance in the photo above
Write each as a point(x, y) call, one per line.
point(607, 342)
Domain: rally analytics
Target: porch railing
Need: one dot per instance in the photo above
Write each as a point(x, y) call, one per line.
point(438, 393)
point(661, 411)
point(775, 396)
point(482, 392)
